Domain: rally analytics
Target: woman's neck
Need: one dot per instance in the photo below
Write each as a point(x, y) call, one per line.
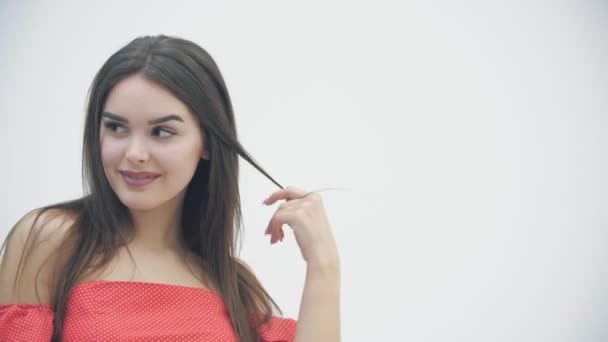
point(158, 229)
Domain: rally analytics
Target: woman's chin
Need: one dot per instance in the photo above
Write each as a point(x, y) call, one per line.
point(148, 200)
point(139, 204)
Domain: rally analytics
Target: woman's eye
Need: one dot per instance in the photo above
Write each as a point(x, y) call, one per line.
point(114, 127)
point(162, 132)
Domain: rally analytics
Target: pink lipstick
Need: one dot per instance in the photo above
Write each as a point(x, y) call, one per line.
point(138, 179)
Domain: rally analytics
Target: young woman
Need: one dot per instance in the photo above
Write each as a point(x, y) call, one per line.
point(148, 254)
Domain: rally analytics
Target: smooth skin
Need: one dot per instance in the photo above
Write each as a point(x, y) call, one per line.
point(319, 316)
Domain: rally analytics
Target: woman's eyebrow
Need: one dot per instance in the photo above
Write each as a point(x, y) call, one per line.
point(165, 119)
point(151, 122)
point(114, 117)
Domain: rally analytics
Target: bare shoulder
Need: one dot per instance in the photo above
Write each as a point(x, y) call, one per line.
point(28, 260)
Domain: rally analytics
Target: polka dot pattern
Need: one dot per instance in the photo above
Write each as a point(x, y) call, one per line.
point(134, 311)
point(24, 322)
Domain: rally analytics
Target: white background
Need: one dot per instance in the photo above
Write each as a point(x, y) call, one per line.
point(470, 138)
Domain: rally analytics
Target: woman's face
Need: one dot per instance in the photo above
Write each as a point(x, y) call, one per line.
point(150, 144)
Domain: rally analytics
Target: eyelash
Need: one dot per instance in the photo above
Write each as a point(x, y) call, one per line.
point(157, 129)
point(113, 126)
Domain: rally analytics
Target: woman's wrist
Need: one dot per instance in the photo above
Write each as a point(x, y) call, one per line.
point(327, 263)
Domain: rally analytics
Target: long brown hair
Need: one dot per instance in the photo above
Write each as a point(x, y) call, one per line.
point(211, 214)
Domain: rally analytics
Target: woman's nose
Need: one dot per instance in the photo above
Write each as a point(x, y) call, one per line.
point(137, 152)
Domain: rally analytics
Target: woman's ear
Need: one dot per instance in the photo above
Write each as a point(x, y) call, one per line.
point(205, 155)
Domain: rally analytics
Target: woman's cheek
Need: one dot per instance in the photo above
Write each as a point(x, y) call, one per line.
point(101, 143)
point(181, 160)
point(171, 158)
point(110, 151)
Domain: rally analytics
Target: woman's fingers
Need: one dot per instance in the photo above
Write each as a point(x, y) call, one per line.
point(305, 214)
point(287, 193)
point(275, 227)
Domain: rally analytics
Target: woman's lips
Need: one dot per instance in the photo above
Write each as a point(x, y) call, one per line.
point(138, 179)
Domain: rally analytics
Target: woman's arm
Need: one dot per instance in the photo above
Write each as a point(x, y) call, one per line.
point(319, 317)
point(29, 261)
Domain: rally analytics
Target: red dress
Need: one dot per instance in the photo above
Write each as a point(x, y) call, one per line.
point(134, 311)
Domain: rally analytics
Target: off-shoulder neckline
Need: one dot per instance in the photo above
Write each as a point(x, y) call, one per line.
point(144, 283)
point(86, 283)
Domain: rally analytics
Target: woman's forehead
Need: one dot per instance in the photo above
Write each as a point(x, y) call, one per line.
point(137, 98)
